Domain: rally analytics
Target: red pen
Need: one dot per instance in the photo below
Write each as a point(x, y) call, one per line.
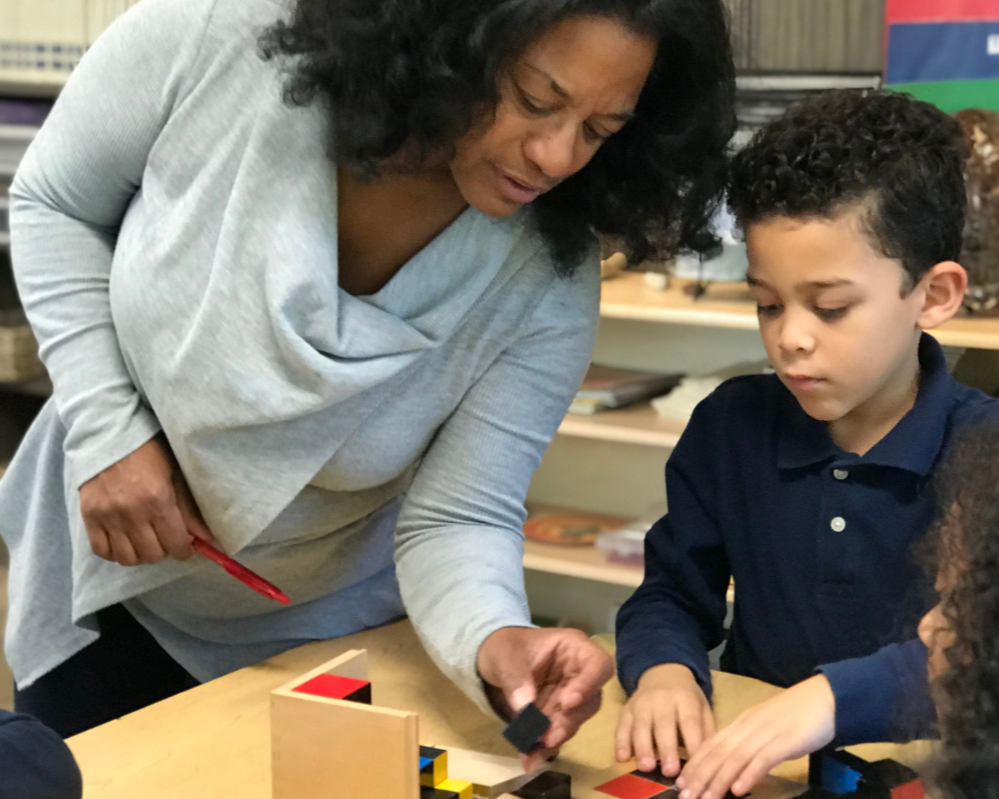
point(240, 572)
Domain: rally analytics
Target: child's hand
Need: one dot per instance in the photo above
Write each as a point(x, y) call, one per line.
point(668, 705)
point(799, 721)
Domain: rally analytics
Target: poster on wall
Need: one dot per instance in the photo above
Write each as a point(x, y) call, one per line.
point(944, 51)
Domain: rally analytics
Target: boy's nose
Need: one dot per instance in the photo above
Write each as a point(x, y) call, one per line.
point(795, 337)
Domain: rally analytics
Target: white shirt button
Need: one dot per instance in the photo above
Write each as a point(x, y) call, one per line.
point(840, 474)
point(838, 524)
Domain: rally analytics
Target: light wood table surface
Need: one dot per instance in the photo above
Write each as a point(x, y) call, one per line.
point(214, 740)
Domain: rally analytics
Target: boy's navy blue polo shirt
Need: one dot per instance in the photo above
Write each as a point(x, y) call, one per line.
point(818, 540)
point(34, 761)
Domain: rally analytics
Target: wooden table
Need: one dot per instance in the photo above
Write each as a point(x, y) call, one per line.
point(214, 740)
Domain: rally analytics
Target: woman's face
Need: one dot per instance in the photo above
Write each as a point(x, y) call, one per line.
point(574, 86)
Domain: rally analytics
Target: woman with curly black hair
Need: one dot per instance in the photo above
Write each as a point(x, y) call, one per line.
point(962, 631)
point(317, 281)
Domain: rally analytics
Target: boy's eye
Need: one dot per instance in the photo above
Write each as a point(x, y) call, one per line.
point(831, 314)
point(767, 310)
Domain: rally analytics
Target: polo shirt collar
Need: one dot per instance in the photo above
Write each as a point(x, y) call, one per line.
point(913, 444)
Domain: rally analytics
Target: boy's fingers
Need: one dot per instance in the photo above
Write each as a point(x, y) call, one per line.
point(728, 769)
point(641, 736)
point(708, 722)
point(666, 743)
point(757, 769)
point(691, 724)
point(622, 736)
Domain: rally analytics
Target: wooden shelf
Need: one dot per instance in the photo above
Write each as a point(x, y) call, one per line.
point(31, 83)
point(728, 305)
point(636, 424)
point(585, 562)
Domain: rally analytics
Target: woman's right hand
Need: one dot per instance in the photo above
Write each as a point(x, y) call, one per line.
point(667, 709)
point(140, 509)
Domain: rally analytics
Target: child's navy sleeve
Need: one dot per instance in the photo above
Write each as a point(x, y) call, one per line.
point(884, 696)
point(34, 761)
point(678, 612)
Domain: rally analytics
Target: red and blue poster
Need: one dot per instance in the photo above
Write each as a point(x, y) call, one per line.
point(944, 51)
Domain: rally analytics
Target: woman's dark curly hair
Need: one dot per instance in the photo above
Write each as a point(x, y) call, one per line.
point(902, 157)
point(963, 547)
point(419, 73)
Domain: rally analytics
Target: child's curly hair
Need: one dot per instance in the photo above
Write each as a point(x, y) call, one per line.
point(964, 547)
point(901, 157)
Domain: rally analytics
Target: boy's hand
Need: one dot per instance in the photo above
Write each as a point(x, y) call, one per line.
point(668, 706)
point(799, 721)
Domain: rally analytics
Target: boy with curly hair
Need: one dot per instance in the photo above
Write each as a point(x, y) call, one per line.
point(808, 486)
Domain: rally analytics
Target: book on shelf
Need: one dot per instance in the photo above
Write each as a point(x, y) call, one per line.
point(605, 388)
point(569, 528)
point(43, 40)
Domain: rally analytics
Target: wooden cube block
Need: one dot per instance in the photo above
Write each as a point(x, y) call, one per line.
point(491, 775)
point(462, 789)
point(436, 793)
point(433, 766)
point(547, 785)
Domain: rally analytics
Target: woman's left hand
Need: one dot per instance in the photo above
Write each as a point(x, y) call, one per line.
point(560, 670)
point(797, 722)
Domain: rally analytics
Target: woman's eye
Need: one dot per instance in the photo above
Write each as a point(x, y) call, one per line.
point(831, 314)
point(767, 310)
point(592, 135)
point(532, 106)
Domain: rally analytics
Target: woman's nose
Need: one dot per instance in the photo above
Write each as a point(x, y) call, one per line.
point(556, 152)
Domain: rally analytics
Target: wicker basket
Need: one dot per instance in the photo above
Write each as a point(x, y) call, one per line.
point(18, 349)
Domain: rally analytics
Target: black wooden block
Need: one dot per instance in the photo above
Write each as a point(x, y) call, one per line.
point(547, 785)
point(526, 730)
point(656, 776)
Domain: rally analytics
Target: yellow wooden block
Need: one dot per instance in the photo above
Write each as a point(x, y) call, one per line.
point(463, 789)
point(435, 773)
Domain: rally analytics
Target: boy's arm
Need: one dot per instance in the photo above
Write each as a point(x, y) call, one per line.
point(678, 612)
point(884, 696)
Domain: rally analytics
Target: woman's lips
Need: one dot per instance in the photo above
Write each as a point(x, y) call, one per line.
point(517, 191)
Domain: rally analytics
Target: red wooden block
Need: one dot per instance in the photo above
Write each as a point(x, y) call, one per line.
point(628, 786)
point(332, 686)
point(910, 790)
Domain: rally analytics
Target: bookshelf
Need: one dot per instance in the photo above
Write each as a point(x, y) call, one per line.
point(727, 305)
point(30, 83)
point(585, 562)
point(635, 424)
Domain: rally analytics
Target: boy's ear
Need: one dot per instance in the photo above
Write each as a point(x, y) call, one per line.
point(943, 290)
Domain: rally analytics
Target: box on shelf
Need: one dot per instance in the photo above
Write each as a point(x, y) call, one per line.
point(604, 388)
point(626, 545)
